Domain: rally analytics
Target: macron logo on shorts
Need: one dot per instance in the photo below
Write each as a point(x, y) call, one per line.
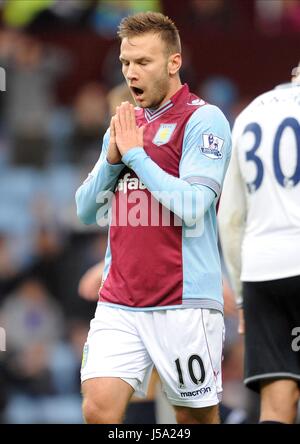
point(201, 391)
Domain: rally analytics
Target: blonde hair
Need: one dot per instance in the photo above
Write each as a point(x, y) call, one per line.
point(154, 22)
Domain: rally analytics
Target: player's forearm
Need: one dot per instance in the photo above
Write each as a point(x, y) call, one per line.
point(89, 196)
point(231, 217)
point(189, 202)
point(231, 229)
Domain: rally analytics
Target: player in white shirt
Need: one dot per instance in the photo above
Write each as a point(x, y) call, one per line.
point(259, 221)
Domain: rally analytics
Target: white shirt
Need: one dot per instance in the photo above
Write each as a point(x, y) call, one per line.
point(259, 215)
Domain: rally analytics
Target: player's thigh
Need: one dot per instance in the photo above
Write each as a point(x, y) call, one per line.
point(280, 393)
point(186, 348)
point(279, 400)
point(204, 415)
point(105, 397)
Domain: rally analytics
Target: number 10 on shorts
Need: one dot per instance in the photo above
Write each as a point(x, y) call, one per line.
point(197, 378)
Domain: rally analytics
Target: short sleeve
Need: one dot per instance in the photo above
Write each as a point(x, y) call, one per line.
point(206, 148)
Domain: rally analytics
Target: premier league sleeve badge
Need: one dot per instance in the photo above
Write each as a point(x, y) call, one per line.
point(212, 146)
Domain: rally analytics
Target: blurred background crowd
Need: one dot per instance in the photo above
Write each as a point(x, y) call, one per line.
point(60, 85)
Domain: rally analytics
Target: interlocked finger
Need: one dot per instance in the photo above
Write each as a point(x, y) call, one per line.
point(112, 129)
point(132, 116)
point(127, 116)
point(117, 120)
point(122, 117)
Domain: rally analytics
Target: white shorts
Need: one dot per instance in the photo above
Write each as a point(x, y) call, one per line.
point(185, 345)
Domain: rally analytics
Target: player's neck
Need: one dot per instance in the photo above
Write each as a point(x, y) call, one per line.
point(174, 87)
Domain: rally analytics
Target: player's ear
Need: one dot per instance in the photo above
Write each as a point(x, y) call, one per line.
point(174, 63)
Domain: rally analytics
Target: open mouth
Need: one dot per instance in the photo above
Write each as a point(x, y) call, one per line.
point(137, 91)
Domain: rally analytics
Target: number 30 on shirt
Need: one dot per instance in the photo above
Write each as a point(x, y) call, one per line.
point(253, 156)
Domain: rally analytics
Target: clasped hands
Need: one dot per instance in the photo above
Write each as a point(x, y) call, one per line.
point(124, 133)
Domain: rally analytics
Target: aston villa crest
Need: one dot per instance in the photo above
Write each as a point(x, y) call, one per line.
point(164, 133)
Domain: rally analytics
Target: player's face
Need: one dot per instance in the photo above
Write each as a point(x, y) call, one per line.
point(145, 67)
